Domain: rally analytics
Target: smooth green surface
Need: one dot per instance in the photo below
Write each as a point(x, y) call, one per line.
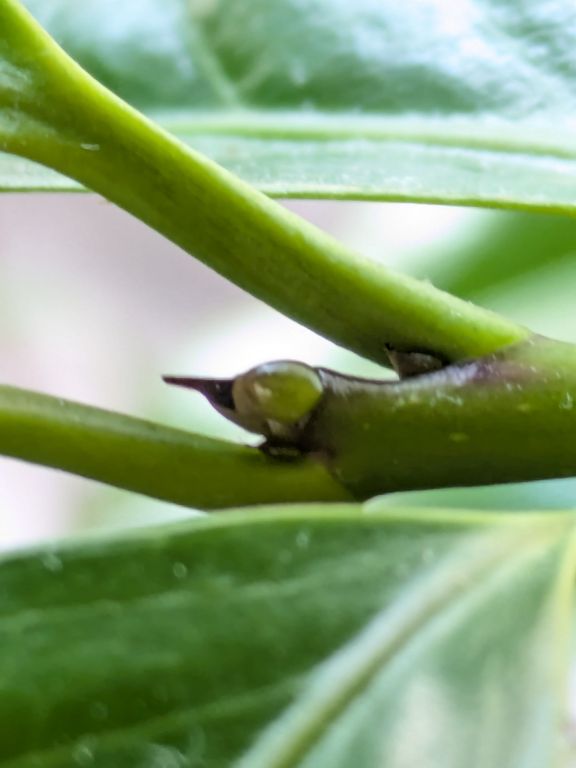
point(354, 100)
point(508, 417)
point(376, 638)
point(169, 464)
point(496, 251)
point(284, 392)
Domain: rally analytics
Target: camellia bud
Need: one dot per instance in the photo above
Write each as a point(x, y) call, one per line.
point(274, 399)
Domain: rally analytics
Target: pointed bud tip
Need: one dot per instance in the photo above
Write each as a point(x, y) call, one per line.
point(217, 391)
point(182, 381)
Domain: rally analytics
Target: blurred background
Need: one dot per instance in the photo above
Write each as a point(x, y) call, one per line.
point(95, 307)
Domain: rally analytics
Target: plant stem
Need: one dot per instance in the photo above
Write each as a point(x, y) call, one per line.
point(508, 417)
point(148, 458)
point(52, 112)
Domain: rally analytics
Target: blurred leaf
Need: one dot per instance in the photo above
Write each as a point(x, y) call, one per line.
point(499, 248)
point(385, 639)
point(354, 100)
point(538, 494)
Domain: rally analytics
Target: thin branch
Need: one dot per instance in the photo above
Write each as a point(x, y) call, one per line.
point(151, 459)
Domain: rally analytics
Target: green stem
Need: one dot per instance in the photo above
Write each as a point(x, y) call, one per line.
point(157, 461)
point(52, 112)
point(508, 417)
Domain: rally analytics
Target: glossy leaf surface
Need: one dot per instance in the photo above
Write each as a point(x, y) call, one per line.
point(369, 637)
point(354, 100)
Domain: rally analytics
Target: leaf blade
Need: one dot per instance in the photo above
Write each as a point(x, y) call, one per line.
point(310, 733)
point(226, 636)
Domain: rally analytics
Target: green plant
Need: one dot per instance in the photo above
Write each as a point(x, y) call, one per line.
point(336, 634)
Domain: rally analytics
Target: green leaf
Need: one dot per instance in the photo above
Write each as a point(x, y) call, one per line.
point(500, 249)
point(354, 100)
point(303, 636)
